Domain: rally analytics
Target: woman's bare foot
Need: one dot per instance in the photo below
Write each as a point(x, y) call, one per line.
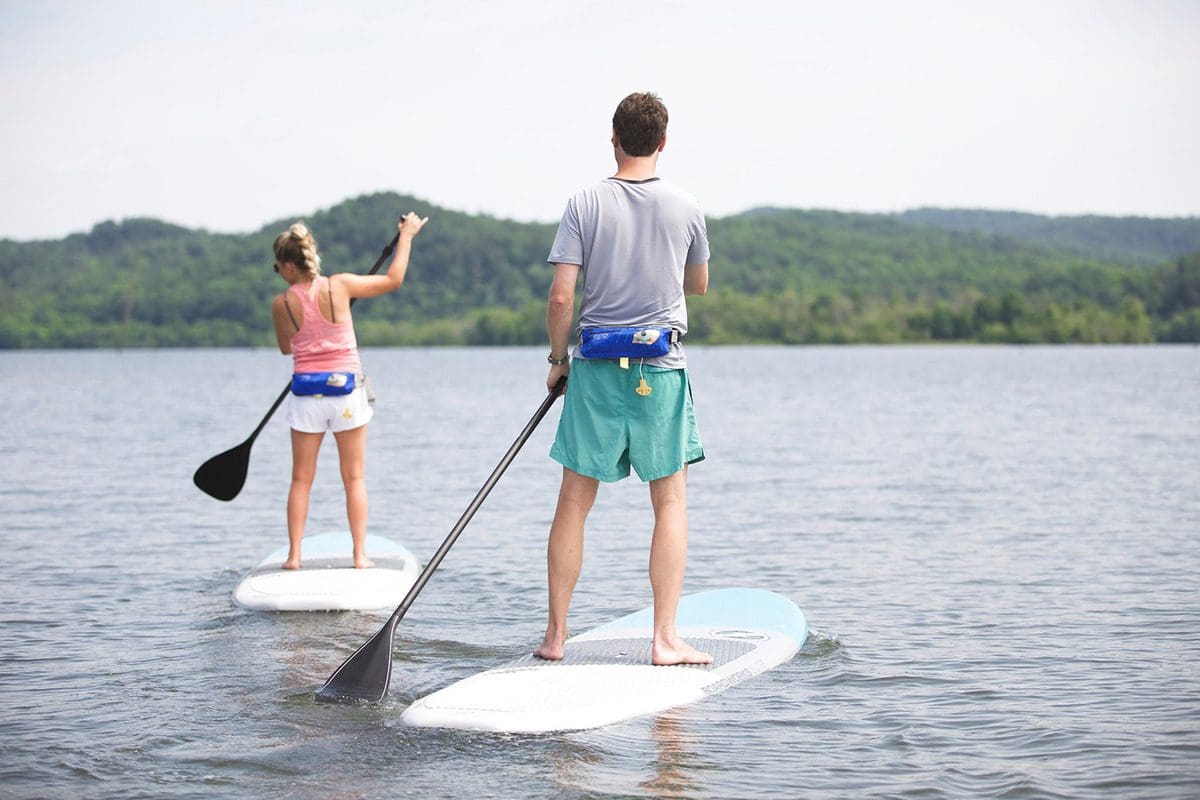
point(362, 562)
point(292, 563)
point(663, 654)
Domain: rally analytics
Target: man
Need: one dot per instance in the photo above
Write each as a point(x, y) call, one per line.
point(640, 245)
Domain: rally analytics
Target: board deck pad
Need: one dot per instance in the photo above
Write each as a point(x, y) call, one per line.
point(327, 579)
point(605, 675)
point(632, 652)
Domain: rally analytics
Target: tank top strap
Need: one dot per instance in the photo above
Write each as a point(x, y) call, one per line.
point(307, 295)
point(287, 306)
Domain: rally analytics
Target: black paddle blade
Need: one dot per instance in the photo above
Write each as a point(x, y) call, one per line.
point(366, 674)
point(223, 476)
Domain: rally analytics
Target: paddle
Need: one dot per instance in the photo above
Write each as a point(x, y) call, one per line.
point(366, 673)
point(223, 476)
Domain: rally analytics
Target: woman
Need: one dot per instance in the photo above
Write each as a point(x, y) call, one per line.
point(313, 324)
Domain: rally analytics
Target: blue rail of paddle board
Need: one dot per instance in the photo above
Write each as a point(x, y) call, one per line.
point(750, 609)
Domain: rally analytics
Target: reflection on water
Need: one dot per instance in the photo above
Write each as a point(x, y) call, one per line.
point(675, 761)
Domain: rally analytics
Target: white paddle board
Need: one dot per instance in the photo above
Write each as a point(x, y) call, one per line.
point(327, 579)
point(606, 676)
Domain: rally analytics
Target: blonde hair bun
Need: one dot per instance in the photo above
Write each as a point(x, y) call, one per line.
point(298, 246)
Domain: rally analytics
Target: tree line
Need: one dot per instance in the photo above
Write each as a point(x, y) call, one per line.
point(778, 276)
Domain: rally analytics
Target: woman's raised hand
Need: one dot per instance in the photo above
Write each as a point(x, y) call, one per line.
point(410, 224)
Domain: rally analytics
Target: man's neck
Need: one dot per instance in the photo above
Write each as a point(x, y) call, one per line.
point(636, 168)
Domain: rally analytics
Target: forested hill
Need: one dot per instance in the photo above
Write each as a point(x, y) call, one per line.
point(784, 276)
point(1123, 240)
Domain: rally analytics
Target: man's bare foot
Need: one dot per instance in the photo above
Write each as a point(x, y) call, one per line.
point(292, 563)
point(363, 563)
point(680, 652)
point(550, 649)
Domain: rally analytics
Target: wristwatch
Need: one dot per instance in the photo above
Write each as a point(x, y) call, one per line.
point(557, 362)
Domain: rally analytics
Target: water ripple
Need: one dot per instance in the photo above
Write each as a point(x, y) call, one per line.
point(996, 548)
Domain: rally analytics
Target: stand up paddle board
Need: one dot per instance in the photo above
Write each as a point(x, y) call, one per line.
point(606, 676)
point(327, 579)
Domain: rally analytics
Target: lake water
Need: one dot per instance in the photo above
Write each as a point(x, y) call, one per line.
point(996, 548)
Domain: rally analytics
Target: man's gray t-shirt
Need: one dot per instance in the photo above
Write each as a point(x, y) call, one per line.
point(632, 240)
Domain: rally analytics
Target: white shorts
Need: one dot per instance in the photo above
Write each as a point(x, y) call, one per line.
point(334, 414)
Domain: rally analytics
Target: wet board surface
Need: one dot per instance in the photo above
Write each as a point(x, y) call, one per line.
point(327, 579)
point(605, 675)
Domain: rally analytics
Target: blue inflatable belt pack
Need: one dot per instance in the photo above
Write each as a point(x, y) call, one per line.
point(322, 384)
point(631, 342)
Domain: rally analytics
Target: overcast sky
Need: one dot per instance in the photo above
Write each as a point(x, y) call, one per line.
point(230, 115)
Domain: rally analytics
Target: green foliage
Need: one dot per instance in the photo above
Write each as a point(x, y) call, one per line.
point(1121, 240)
point(778, 276)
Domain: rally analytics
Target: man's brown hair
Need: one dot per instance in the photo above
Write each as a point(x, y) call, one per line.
point(640, 123)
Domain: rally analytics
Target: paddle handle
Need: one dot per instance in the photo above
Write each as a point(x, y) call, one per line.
point(427, 573)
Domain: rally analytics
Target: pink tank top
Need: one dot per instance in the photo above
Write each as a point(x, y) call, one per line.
point(321, 345)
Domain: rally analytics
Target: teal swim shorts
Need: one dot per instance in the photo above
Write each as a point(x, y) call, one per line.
point(607, 425)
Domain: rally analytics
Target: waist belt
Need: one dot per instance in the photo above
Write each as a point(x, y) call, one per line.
point(639, 341)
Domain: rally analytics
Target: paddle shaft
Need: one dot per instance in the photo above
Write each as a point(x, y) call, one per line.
point(427, 573)
point(365, 675)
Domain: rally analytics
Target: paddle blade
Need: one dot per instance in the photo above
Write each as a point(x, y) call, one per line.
point(366, 674)
point(224, 475)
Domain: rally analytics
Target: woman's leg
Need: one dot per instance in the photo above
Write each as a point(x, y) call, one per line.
point(305, 447)
point(352, 451)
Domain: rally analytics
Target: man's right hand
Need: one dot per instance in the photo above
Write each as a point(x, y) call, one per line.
point(556, 374)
